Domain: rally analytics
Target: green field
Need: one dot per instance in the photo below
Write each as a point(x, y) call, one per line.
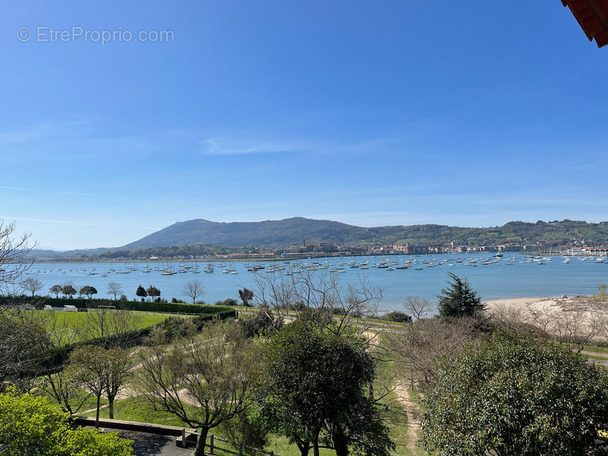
point(66, 326)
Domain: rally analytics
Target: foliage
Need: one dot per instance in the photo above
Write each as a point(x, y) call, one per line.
point(87, 291)
point(56, 289)
point(246, 295)
point(458, 299)
point(31, 425)
point(141, 292)
point(153, 292)
point(262, 322)
point(24, 345)
point(516, 395)
point(172, 329)
point(165, 307)
point(227, 302)
point(68, 290)
point(100, 371)
point(310, 380)
point(211, 372)
point(400, 317)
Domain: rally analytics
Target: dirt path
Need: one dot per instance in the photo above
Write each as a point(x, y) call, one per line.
point(413, 416)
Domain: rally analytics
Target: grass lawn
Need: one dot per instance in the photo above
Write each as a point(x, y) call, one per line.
point(69, 322)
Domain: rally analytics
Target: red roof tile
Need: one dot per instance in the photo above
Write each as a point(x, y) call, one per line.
point(592, 16)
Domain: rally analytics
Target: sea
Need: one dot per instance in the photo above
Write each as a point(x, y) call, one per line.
point(397, 276)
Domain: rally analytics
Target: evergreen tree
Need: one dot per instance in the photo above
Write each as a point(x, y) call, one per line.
point(141, 292)
point(458, 299)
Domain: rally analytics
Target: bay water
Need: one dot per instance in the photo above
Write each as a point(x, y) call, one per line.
point(510, 276)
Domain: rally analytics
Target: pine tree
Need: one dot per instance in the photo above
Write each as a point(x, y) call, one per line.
point(458, 299)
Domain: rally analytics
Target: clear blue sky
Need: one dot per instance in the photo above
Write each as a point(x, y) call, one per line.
point(388, 112)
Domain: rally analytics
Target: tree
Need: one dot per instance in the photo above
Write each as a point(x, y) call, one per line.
point(68, 290)
point(141, 292)
point(194, 289)
point(153, 292)
point(114, 288)
point(59, 381)
point(111, 328)
point(87, 291)
point(246, 295)
point(56, 289)
point(118, 369)
point(417, 307)
point(13, 255)
point(421, 346)
point(89, 371)
point(516, 395)
point(203, 381)
point(32, 425)
point(102, 372)
point(458, 299)
point(24, 345)
point(312, 380)
point(32, 284)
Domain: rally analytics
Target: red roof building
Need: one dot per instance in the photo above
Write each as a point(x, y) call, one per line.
point(592, 16)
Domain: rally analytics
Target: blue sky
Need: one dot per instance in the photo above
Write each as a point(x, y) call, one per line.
point(467, 113)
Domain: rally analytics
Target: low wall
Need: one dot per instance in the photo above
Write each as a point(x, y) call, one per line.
point(150, 428)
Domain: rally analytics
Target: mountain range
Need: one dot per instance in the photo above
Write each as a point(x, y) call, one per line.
point(295, 231)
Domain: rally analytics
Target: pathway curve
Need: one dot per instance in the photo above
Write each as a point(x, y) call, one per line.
point(413, 413)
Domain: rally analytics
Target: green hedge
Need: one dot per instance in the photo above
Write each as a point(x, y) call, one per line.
point(83, 303)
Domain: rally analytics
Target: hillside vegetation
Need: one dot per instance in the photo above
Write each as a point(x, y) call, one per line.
point(202, 237)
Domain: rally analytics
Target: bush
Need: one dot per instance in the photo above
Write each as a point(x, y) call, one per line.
point(227, 302)
point(514, 395)
point(400, 317)
point(31, 425)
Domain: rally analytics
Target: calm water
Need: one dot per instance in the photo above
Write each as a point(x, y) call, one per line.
point(511, 276)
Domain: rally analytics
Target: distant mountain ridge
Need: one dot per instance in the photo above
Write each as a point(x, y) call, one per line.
point(269, 233)
point(296, 230)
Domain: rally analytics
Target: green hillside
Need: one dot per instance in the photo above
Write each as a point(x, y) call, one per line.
point(293, 231)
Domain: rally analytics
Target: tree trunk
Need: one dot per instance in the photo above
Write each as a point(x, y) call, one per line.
point(339, 441)
point(111, 408)
point(202, 441)
point(316, 445)
point(304, 448)
point(97, 414)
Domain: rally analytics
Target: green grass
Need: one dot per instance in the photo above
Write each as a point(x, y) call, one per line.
point(67, 323)
point(140, 410)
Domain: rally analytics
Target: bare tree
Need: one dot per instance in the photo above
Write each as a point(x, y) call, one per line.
point(204, 382)
point(114, 288)
point(113, 328)
point(89, 370)
point(322, 295)
point(194, 289)
point(423, 344)
point(417, 307)
point(32, 284)
point(60, 382)
point(13, 257)
point(24, 346)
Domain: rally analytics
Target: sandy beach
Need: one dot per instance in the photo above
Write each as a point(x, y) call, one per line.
point(534, 305)
point(576, 317)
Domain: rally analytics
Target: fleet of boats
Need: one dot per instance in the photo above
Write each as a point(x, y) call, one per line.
point(289, 268)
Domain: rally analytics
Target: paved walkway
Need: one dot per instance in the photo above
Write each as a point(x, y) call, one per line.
point(145, 444)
